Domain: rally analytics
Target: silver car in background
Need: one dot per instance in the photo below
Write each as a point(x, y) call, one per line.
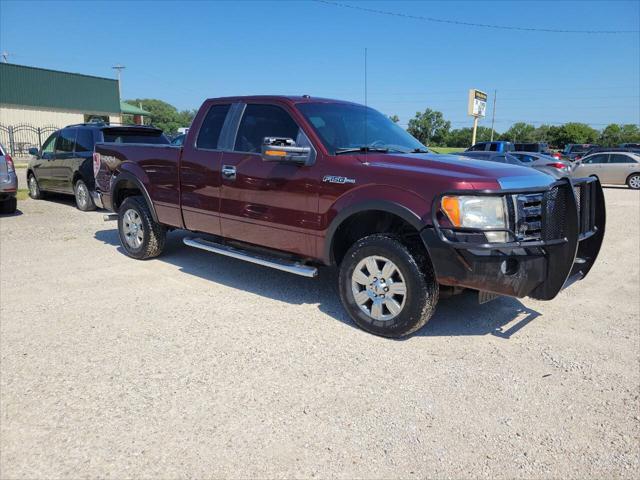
point(617, 168)
point(8, 183)
point(545, 163)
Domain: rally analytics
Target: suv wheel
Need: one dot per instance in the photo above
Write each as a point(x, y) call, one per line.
point(84, 201)
point(34, 188)
point(387, 289)
point(634, 181)
point(140, 235)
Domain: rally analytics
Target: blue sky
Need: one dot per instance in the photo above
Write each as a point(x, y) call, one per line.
point(184, 52)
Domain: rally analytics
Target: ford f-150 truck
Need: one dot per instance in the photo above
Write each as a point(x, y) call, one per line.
point(295, 183)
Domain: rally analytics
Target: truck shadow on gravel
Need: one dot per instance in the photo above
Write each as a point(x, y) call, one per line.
point(455, 316)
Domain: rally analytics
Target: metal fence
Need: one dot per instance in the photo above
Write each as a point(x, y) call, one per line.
point(18, 139)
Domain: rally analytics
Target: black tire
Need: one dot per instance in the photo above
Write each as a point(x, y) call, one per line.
point(34, 187)
point(9, 206)
point(633, 182)
point(417, 275)
point(153, 234)
point(84, 201)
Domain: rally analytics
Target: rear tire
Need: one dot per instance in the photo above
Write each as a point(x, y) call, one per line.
point(84, 201)
point(9, 206)
point(398, 297)
point(633, 181)
point(140, 235)
point(34, 187)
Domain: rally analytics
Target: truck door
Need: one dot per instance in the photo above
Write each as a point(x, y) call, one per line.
point(200, 172)
point(268, 203)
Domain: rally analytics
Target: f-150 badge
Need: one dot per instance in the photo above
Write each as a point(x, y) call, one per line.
point(337, 179)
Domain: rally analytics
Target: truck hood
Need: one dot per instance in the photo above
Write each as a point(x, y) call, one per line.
point(464, 171)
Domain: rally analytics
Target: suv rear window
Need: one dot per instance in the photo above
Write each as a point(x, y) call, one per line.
point(125, 135)
point(84, 140)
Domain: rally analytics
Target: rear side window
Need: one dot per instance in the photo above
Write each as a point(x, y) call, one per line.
point(84, 140)
point(620, 159)
point(209, 133)
point(261, 121)
point(66, 140)
point(596, 159)
point(493, 147)
point(123, 135)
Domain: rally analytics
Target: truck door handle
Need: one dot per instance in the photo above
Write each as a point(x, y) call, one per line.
point(229, 172)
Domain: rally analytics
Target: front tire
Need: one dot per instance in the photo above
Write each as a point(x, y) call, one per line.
point(34, 187)
point(387, 288)
point(140, 235)
point(633, 181)
point(84, 201)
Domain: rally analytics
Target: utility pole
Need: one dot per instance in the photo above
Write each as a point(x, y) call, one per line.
point(119, 69)
point(493, 115)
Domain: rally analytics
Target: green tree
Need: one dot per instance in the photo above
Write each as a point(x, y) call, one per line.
point(461, 137)
point(394, 118)
point(575, 133)
point(520, 132)
point(615, 134)
point(163, 114)
point(429, 127)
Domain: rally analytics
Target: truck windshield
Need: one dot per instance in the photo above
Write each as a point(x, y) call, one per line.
point(346, 128)
point(123, 135)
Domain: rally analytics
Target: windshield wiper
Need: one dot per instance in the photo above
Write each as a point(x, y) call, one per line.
point(419, 150)
point(362, 149)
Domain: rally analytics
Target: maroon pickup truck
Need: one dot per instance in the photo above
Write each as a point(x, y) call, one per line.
point(294, 183)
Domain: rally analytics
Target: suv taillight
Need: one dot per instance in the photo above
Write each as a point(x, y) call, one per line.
point(556, 165)
point(10, 166)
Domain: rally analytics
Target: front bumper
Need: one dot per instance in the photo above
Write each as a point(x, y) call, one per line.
point(571, 224)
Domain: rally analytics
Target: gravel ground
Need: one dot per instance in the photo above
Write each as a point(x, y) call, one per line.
point(196, 365)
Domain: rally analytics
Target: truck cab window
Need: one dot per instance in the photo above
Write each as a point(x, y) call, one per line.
point(261, 121)
point(211, 127)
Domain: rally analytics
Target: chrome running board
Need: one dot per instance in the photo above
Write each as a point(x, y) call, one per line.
point(273, 262)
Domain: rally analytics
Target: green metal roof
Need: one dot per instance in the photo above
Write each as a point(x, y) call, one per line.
point(132, 109)
point(39, 87)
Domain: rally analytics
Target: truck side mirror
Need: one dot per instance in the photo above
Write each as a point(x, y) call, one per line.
point(276, 149)
point(33, 151)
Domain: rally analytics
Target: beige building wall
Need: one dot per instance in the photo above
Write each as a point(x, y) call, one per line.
point(11, 115)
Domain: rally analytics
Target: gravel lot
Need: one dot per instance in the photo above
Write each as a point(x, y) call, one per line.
point(196, 365)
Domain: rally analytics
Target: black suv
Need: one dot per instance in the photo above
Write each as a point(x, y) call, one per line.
point(65, 162)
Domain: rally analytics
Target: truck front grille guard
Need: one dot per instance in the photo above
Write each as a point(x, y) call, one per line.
point(536, 218)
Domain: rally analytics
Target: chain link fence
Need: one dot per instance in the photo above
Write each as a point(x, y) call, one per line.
point(18, 139)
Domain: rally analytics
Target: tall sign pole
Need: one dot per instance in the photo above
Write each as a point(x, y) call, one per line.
point(493, 113)
point(476, 108)
point(119, 69)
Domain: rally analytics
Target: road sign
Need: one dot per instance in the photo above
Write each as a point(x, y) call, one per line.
point(477, 103)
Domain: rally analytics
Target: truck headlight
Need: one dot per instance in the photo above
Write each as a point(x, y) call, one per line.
point(481, 212)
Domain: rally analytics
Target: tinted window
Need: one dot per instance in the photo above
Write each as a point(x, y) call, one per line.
point(523, 157)
point(66, 140)
point(179, 140)
point(620, 159)
point(49, 143)
point(478, 148)
point(261, 121)
point(500, 158)
point(84, 140)
point(209, 133)
point(493, 147)
point(115, 135)
point(595, 159)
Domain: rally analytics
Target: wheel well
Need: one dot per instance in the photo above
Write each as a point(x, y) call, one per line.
point(124, 189)
point(76, 177)
point(366, 223)
point(632, 175)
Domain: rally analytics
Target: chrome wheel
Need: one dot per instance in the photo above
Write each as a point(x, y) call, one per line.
point(82, 194)
point(634, 182)
point(132, 228)
point(33, 186)
point(379, 288)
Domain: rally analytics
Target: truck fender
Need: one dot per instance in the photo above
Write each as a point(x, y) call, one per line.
point(389, 206)
point(126, 176)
